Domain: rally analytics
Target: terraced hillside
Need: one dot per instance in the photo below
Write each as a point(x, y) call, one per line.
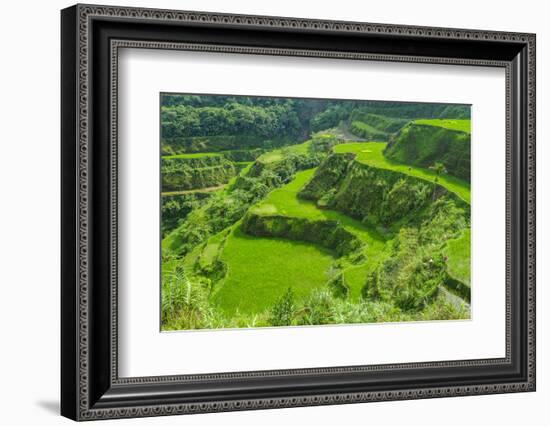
point(375, 127)
point(458, 125)
point(284, 231)
point(372, 154)
point(195, 171)
point(329, 230)
point(426, 143)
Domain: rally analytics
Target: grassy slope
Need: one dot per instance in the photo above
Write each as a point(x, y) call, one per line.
point(243, 172)
point(366, 127)
point(371, 153)
point(460, 125)
point(458, 251)
point(278, 154)
point(228, 185)
point(277, 265)
point(285, 201)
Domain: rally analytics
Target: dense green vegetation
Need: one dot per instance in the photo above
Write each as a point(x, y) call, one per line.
point(176, 207)
point(426, 142)
point(459, 125)
point(287, 202)
point(372, 153)
point(382, 123)
point(374, 127)
point(285, 212)
point(181, 173)
point(458, 252)
point(366, 131)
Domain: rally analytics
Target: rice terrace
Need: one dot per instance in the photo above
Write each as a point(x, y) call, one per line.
point(296, 212)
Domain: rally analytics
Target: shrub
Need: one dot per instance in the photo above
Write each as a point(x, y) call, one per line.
point(318, 309)
point(328, 176)
point(405, 196)
point(410, 276)
point(330, 117)
point(282, 311)
point(337, 284)
point(442, 309)
point(179, 174)
point(445, 219)
point(175, 208)
point(323, 143)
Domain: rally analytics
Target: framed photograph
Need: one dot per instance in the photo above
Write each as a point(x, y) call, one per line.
point(263, 212)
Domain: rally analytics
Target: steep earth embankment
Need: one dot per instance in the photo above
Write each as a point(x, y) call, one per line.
point(180, 173)
point(425, 142)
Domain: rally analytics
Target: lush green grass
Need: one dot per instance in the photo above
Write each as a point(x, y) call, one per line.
point(341, 132)
point(371, 153)
point(271, 157)
point(458, 253)
point(279, 154)
point(460, 125)
point(356, 275)
point(260, 270)
point(301, 148)
point(242, 172)
point(208, 255)
point(193, 155)
point(381, 123)
point(362, 129)
point(424, 145)
point(285, 201)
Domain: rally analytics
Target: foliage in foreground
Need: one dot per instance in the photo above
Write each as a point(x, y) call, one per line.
point(225, 208)
point(185, 307)
point(384, 233)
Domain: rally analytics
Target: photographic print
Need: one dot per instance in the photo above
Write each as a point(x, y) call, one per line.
point(304, 212)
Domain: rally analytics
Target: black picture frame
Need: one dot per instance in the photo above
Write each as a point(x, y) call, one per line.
point(90, 386)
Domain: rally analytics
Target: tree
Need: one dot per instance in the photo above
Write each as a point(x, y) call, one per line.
point(439, 169)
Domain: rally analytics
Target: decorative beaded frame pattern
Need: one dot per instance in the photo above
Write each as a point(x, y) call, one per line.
point(86, 13)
